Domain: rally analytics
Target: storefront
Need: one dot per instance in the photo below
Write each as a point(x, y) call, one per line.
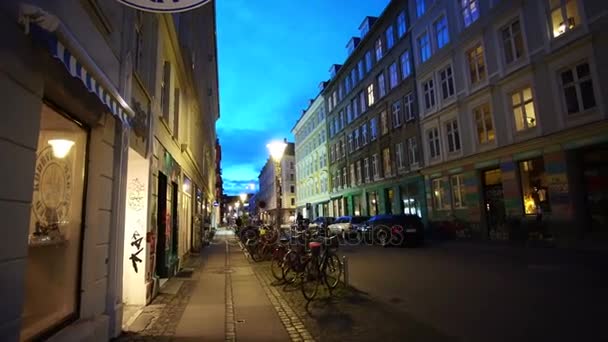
point(65, 129)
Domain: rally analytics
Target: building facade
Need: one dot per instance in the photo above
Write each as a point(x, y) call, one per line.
point(374, 142)
point(513, 113)
point(311, 155)
point(84, 135)
point(267, 194)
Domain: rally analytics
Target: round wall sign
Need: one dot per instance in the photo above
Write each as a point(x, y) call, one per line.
point(164, 6)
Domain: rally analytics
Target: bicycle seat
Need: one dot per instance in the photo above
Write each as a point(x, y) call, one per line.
point(314, 244)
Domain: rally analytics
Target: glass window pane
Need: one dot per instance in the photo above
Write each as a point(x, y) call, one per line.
point(530, 115)
point(519, 121)
point(587, 94)
point(582, 70)
point(571, 99)
point(567, 77)
point(515, 99)
point(557, 22)
point(527, 94)
point(572, 14)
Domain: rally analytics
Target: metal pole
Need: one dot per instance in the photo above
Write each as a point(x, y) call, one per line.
point(278, 189)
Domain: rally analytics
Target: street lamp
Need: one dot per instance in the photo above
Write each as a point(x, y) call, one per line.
point(276, 149)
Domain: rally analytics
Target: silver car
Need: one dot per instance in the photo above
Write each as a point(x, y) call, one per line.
point(346, 225)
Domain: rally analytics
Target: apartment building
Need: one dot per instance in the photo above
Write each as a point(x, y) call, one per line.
point(267, 195)
point(372, 116)
point(513, 112)
point(311, 155)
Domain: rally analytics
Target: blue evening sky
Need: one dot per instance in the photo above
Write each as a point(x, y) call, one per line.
point(272, 56)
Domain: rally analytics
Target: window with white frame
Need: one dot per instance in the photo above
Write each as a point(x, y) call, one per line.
point(386, 162)
point(342, 148)
point(344, 177)
point(366, 169)
point(442, 35)
point(483, 123)
point(401, 24)
point(390, 37)
point(440, 198)
point(370, 94)
point(359, 173)
point(512, 42)
point(368, 61)
point(356, 139)
point(424, 47)
point(373, 128)
point(458, 191)
point(412, 151)
point(577, 87)
point(399, 153)
point(453, 136)
point(383, 122)
point(396, 113)
point(433, 140)
point(353, 177)
point(393, 75)
point(447, 82)
point(477, 65)
point(428, 91)
point(375, 167)
point(524, 113)
point(362, 103)
point(470, 11)
point(409, 112)
point(379, 48)
point(420, 8)
point(564, 16)
point(381, 85)
point(406, 68)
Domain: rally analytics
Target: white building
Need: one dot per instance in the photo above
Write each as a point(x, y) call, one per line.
point(266, 198)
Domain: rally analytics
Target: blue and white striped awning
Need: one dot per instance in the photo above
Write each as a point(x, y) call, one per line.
point(77, 70)
point(48, 29)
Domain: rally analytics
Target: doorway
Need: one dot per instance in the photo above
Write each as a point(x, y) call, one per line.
point(494, 204)
point(161, 221)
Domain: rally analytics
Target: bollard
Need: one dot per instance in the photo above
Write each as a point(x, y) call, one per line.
point(345, 267)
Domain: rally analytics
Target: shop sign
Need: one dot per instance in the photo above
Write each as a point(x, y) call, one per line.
point(164, 6)
point(52, 191)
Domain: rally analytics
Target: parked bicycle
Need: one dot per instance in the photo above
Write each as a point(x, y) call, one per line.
point(322, 267)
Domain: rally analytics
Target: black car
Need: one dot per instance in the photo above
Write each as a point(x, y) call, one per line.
point(395, 230)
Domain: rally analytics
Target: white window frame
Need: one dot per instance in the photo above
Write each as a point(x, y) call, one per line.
point(373, 128)
point(442, 34)
point(479, 111)
point(458, 191)
point(469, 10)
point(477, 75)
point(423, 43)
point(370, 95)
point(367, 170)
point(393, 75)
point(508, 43)
point(447, 82)
point(406, 64)
point(576, 84)
point(434, 143)
point(428, 94)
point(452, 134)
point(381, 85)
point(409, 107)
point(379, 49)
point(396, 113)
point(412, 148)
point(400, 156)
point(522, 105)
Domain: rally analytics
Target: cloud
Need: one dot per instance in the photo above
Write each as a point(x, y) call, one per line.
point(234, 187)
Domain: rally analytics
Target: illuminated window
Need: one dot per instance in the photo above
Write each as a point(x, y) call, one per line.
point(564, 16)
point(483, 123)
point(458, 191)
point(370, 94)
point(420, 8)
point(440, 198)
point(477, 65)
point(523, 109)
point(534, 186)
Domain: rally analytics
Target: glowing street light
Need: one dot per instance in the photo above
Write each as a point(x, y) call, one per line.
point(276, 150)
point(243, 197)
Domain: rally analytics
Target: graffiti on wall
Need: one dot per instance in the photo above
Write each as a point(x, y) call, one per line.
point(136, 240)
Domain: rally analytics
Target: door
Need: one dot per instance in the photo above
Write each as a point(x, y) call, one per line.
point(494, 204)
point(174, 228)
point(161, 221)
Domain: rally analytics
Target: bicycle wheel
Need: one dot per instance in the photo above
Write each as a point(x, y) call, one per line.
point(310, 280)
point(276, 268)
point(333, 271)
point(290, 275)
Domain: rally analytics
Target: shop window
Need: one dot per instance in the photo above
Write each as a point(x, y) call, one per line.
point(440, 194)
point(53, 261)
point(534, 186)
point(410, 201)
point(357, 205)
point(372, 205)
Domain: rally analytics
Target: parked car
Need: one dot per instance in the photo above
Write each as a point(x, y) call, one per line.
point(395, 230)
point(346, 225)
point(320, 223)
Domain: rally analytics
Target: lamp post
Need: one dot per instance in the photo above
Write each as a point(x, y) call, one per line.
point(276, 149)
